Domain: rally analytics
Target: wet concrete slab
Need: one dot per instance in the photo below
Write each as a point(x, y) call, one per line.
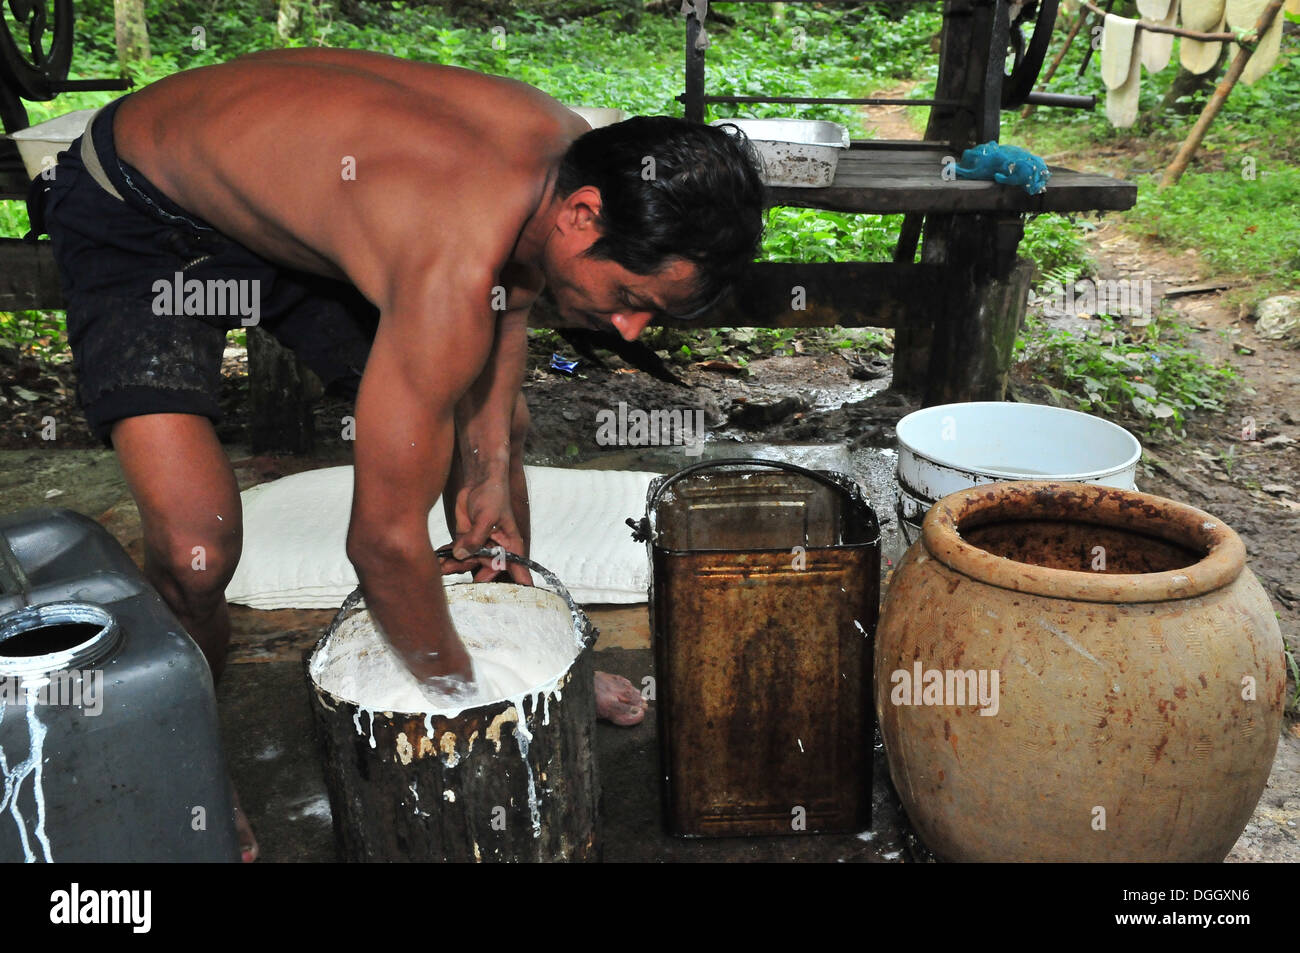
point(275, 763)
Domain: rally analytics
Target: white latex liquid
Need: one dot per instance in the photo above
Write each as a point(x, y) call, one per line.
point(518, 643)
point(13, 777)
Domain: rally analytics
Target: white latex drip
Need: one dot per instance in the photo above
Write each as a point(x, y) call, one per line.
point(13, 783)
point(37, 734)
point(522, 738)
point(517, 648)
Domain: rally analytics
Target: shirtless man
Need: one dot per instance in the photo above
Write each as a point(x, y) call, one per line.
point(357, 193)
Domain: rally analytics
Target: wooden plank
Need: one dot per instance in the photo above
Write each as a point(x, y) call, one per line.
point(892, 180)
point(29, 280)
point(846, 294)
point(620, 626)
point(916, 195)
point(909, 145)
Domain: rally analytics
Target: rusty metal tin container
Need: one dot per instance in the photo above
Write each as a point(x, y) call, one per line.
point(765, 582)
point(1139, 677)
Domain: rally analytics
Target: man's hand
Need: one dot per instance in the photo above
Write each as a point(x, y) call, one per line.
point(484, 517)
point(488, 506)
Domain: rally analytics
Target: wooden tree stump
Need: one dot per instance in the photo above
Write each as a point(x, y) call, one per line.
point(510, 781)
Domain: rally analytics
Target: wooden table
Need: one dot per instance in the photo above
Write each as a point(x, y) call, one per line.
point(892, 177)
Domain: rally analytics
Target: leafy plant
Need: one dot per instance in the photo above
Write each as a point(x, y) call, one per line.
point(800, 234)
point(1055, 244)
point(1156, 378)
point(1236, 224)
point(38, 333)
point(1294, 703)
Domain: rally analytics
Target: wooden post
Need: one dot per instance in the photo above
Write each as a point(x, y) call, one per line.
point(1193, 141)
point(281, 392)
point(693, 98)
point(965, 64)
point(986, 292)
point(29, 279)
point(963, 60)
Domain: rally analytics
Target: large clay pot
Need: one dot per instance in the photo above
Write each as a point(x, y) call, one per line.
point(1138, 667)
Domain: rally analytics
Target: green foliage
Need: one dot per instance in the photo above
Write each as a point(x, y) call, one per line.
point(1236, 224)
point(1213, 207)
point(40, 334)
point(1264, 112)
point(13, 219)
point(1294, 704)
point(1155, 377)
point(816, 53)
point(1055, 244)
point(800, 234)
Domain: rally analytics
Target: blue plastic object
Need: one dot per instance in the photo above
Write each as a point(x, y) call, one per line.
point(562, 365)
point(1006, 165)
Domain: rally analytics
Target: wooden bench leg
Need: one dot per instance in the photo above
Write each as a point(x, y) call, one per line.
point(972, 356)
point(281, 392)
point(975, 331)
point(912, 337)
point(912, 343)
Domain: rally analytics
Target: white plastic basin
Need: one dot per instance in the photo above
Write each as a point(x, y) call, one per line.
point(951, 447)
point(40, 144)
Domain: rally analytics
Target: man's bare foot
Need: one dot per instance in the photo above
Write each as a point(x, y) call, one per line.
point(248, 849)
point(618, 700)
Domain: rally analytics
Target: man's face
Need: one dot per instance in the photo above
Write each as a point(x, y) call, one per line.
point(603, 295)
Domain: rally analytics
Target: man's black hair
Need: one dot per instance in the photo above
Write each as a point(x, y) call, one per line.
point(669, 189)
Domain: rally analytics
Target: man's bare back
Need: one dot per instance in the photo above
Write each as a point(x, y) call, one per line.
point(312, 158)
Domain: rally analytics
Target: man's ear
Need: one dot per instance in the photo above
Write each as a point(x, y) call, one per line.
point(581, 209)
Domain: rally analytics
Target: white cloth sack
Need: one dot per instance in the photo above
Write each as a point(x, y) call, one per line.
point(295, 536)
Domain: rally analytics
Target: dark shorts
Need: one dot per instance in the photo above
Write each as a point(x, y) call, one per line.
point(151, 291)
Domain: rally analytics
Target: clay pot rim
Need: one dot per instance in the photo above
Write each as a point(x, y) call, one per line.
point(1223, 562)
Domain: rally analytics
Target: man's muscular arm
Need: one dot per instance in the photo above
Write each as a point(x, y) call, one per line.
point(434, 340)
point(490, 503)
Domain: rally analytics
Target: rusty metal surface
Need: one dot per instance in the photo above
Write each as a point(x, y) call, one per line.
point(764, 597)
point(1134, 726)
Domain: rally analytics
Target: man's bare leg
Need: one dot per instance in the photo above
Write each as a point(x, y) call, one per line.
point(192, 522)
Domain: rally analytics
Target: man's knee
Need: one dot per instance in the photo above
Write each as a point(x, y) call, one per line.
point(192, 573)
